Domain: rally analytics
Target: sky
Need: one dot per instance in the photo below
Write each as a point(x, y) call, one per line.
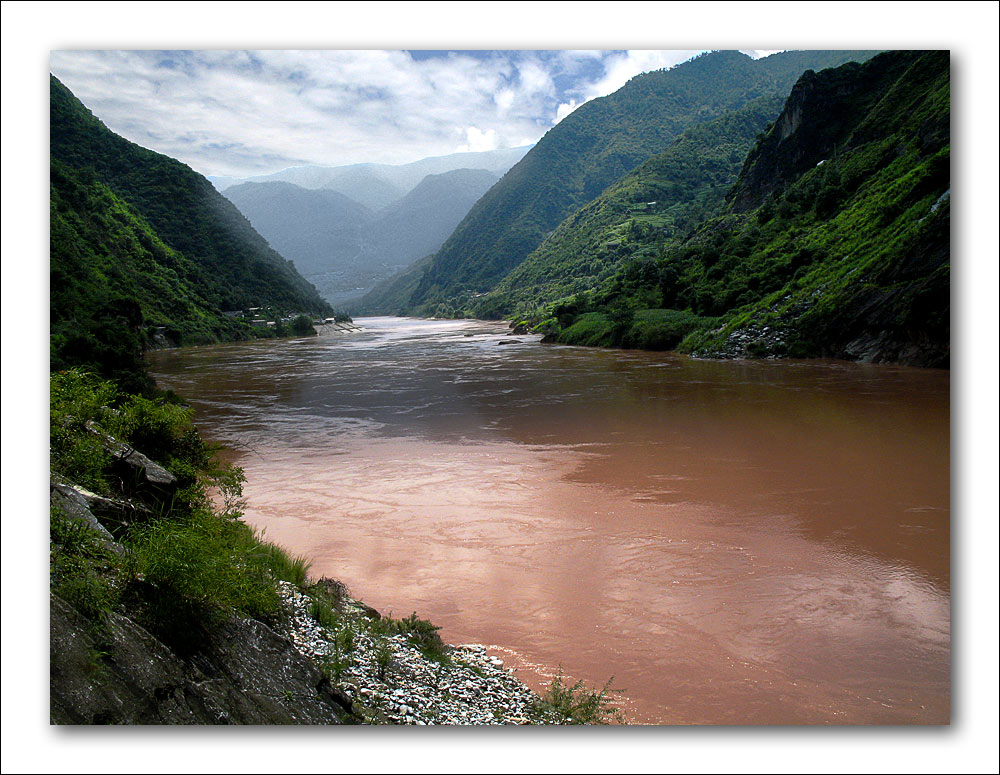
point(240, 113)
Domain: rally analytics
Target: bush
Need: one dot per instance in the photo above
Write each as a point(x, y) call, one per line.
point(302, 326)
point(75, 399)
point(576, 704)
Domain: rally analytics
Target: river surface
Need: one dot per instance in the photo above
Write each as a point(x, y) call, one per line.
point(735, 542)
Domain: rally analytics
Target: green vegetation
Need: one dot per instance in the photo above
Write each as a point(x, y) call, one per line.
point(183, 208)
point(145, 253)
point(664, 198)
point(564, 704)
point(585, 153)
point(174, 565)
point(836, 245)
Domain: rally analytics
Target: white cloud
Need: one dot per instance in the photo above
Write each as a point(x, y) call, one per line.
point(760, 53)
point(249, 112)
point(565, 108)
point(629, 64)
point(478, 140)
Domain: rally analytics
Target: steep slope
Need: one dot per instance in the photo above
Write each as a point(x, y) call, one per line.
point(322, 232)
point(864, 231)
point(661, 199)
point(835, 241)
point(115, 286)
point(590, 149)
point(392, 295)
point(420, 222)
point(185, 211)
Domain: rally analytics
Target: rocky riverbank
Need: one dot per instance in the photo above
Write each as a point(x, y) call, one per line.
point(391, 680)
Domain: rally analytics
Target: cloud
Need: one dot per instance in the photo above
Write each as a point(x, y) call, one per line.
point(478, 140)
point(626, 65)
point(250, 112)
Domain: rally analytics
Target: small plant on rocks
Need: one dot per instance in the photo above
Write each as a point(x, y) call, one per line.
point(565, 704)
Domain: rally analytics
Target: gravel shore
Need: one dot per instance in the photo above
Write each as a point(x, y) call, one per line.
point(391, 681)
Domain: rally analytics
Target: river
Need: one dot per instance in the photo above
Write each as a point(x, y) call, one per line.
point(735, 542)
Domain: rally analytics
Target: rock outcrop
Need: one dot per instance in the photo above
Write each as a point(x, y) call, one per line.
point(240, 673)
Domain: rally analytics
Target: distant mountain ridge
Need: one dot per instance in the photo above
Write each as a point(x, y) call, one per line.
point(378, 185)
point(345, 248)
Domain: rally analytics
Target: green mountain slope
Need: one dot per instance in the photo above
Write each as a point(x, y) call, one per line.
point(835, 241)
point(184, 210)
point(664, 197)
point(587, 151)
point(113, 283)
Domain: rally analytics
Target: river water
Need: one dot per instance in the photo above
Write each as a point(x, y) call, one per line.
point(734, 542)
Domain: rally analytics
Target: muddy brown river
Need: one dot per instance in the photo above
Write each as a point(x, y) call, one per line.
point(738, 542)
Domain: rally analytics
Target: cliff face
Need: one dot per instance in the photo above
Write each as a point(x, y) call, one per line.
point(832, 112)
point(240, 673)
point(842, 211)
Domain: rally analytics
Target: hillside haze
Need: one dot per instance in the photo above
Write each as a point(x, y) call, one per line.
point(378, 185)
point(345, 248)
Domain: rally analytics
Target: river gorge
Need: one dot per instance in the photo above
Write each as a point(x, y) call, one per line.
point(735, 542)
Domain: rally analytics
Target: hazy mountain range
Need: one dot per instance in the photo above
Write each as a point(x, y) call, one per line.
point(347, 228)
point(344, 247)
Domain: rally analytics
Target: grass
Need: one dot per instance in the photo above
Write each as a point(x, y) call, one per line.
point(82, 571)
point(192, 563)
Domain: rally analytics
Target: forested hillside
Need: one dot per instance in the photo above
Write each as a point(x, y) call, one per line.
point(664, 197)
point(589, 150)
point(142, 247)
point(835, 240)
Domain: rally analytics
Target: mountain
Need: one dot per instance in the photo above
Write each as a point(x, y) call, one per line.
point(391, 295)
point(589, 150)
point(378, 185)
point(143, 247)
point(834, 240)
point(420, 222)
point(322, 232)
point(662, 198)
point(345, 248)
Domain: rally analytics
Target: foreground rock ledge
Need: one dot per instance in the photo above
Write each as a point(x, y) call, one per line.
point(244, 672)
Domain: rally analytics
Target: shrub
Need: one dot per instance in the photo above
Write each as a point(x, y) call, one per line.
point(76, 398)
point(302, 326)
point(576, 704)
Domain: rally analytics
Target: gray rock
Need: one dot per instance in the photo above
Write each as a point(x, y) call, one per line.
point(71, 502)
point(239, 673)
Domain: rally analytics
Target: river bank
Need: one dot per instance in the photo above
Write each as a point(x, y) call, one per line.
point(392, 680)
point(167, 608)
